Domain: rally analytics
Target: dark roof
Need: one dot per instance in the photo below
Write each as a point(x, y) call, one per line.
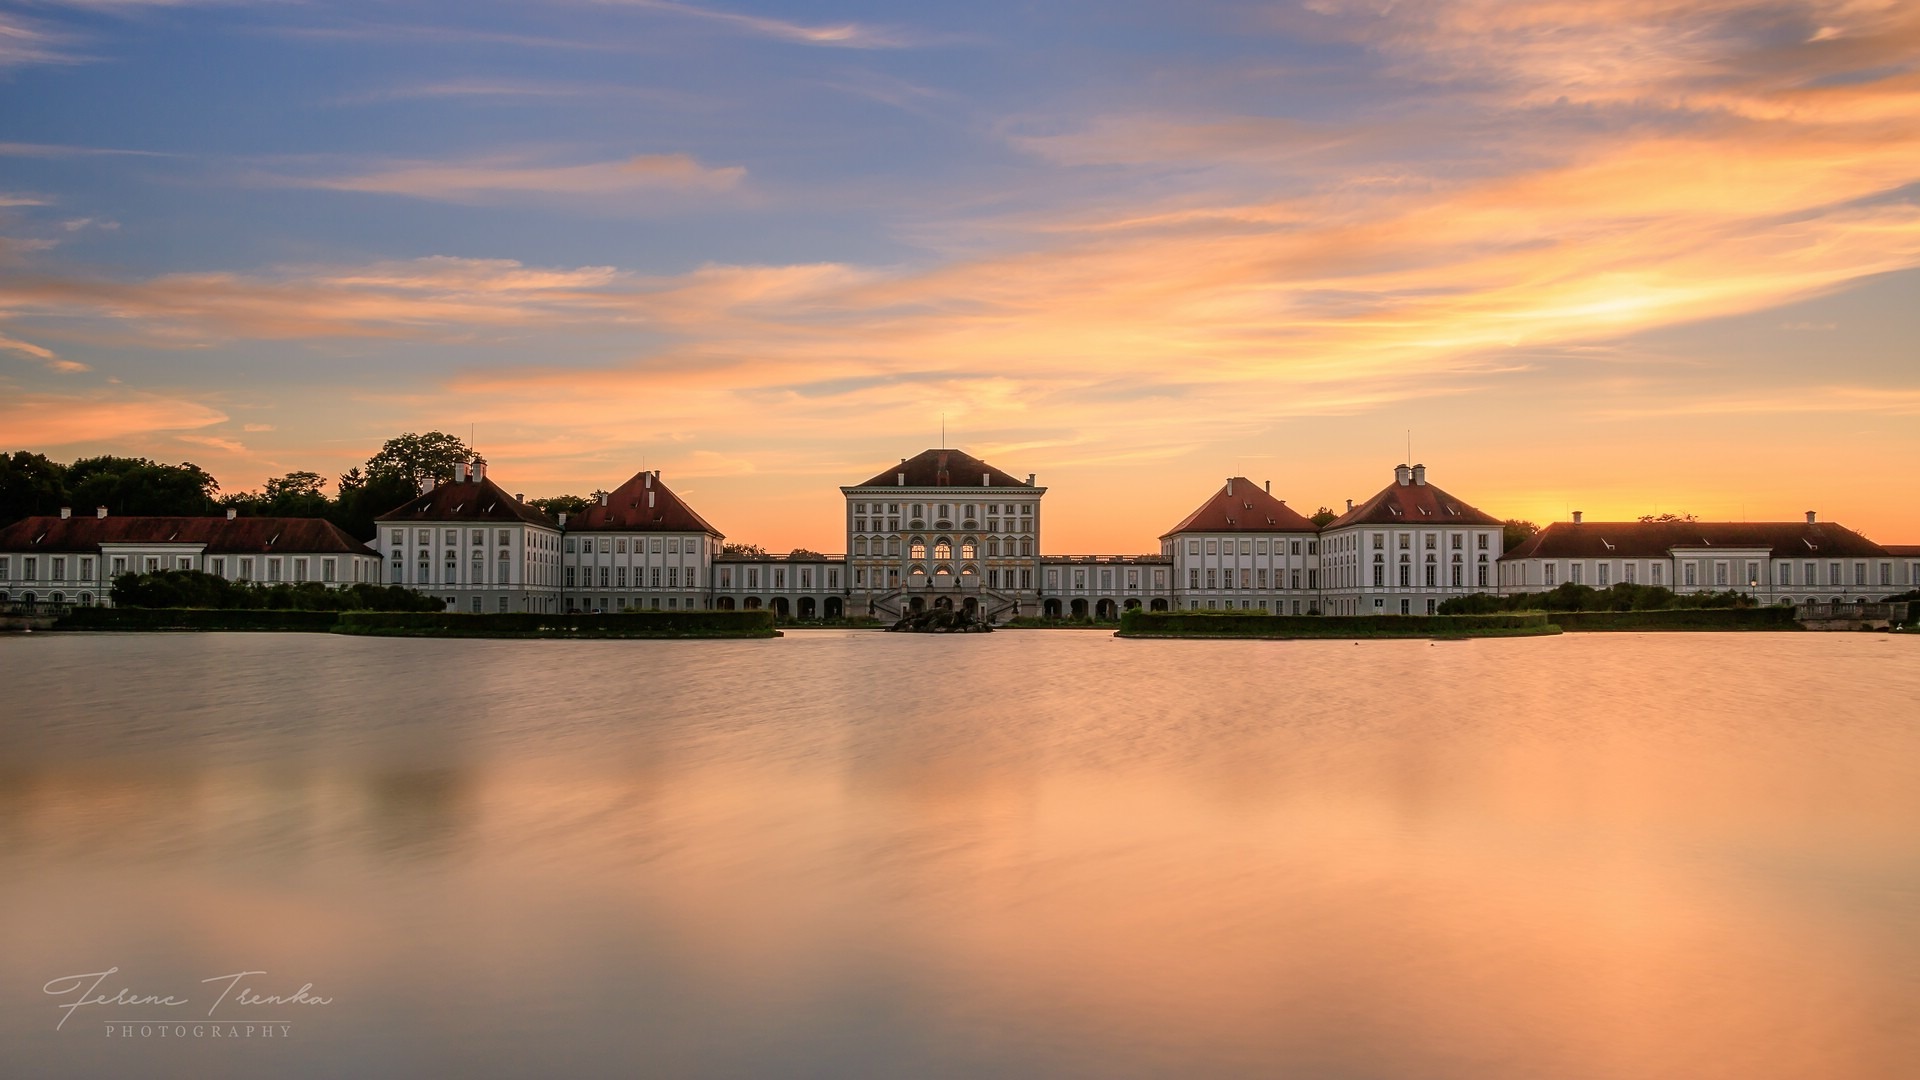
point(1655, 539)
point(467, 500)
point(627, 510)
point(1242, 506)
point(1415, 502)
point(943, 468)
point(1902, 550)
point(217, 534)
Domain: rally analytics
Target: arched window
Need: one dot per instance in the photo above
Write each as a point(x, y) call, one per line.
point(969, 548)
point(918, 574)
point(919, 548)
point(968, 571)
point(58, 598)
point(943, 548)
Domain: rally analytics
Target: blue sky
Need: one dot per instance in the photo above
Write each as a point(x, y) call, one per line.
point(1616, 256)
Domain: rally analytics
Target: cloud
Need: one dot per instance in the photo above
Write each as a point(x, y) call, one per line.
point(47, 357)
point(490, 179)
point(50, 420)
point(231, 446)
point(251, 428)
point(23, 42)
point(839, 35)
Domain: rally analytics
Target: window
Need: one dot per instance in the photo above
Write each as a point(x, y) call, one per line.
point(1483, 575)
point(1655, 573)
point(1458, 571)
point(1886, 573)
point(1833, 574)
point(217, 567)
point(620, 546)
point(917, 548)
point(1213, 547)
point(1432, 570)
point(943, 549)
point(1406, 576)
point(1626, 573)
point(1546, 572)
point(1293, 548)
point(59, 568)
point(1193, 579)
point(246, 569)
point(1599, 576)
point(1313, 547)
point(299, 569)
point(1859, 573)
point(329, 569)
point(1689, 571)
point(1193, 547)
point(273, 569)
point(1379, 576)
point(1213, 578)
point(1482, 542)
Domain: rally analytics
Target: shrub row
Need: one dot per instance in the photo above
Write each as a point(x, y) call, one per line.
point(531, 624)
point(1250, 624)
point(1753, 618)
point(133, 618)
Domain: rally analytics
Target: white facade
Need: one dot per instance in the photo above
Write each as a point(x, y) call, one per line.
point(474, 546)
point(1408, 550)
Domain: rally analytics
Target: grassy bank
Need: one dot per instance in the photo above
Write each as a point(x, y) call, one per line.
point(197, 619)
point(1752, 618)
point(1193, 624)
point(637, 624)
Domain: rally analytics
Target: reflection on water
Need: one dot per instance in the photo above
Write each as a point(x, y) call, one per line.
point(1026, 853)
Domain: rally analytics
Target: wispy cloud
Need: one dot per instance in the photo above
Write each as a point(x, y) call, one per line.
point(55, 420)
point(489, 179)
point(848, 35)
point(23, 41)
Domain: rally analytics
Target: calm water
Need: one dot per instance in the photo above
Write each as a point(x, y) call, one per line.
point(1027, 854)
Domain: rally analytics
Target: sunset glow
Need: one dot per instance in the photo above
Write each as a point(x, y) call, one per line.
point(1622, 256)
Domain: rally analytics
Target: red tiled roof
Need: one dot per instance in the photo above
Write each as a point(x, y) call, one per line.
point(1413, 503)
point(467, 500)
point(943, 468)
point(216, 534)
point(1654, 539)
point(1242, 506)
point(628, 510)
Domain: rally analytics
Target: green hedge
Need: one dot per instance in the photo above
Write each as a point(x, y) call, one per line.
point(1753, 618)
point(1138, 623)
point(104, 618)
point(529, 624)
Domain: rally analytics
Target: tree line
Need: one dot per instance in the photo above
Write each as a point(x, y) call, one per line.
point(33, 484)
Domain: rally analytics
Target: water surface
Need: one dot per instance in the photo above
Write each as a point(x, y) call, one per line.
point(1027, 853)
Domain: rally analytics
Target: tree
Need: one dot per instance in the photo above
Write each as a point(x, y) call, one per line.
point(1514, 532)
point(804, 553)
point(139, 486)
point(1323, 516)
point(418, 458)
point(1651, 519)
point(31, 484)
point(363, 498)
point(750, 550)
point(555, 505)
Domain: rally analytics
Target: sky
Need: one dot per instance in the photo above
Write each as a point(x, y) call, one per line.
point(1619, 256)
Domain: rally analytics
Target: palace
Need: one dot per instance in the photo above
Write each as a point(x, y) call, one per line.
point(945, 530)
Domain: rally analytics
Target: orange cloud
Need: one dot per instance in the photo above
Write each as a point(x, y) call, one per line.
point(474, 181)
point(48, 420)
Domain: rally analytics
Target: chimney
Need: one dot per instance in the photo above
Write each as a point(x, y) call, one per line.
point(1267, 485)
point(1349, 506)
point(1402, 475)
point(1810, 517)
point(646, 479)
point(427, 485)
point(650, 500)
point(1576, 517)
point(603, 498)
point(479, 471)
point(67, 512)
point(99, 511)
point(232, 513)
point(460, 473)
point(1029, 479)
point(1229, 485)
point(563, 519)
point(520, 496)
point(900, 479)
point(1420, 475)
point(986, 479)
